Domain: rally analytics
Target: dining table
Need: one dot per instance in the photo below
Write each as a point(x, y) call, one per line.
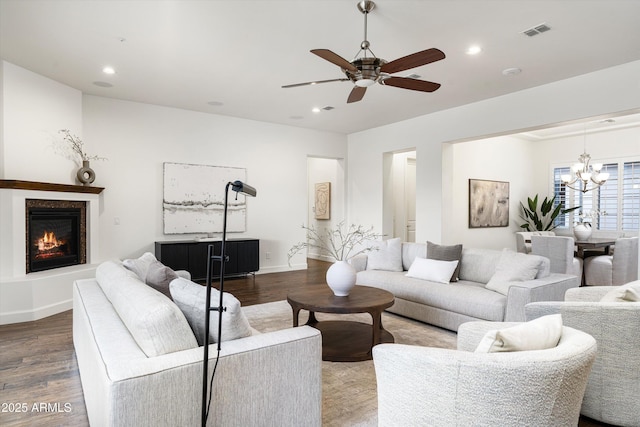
point(593, 243)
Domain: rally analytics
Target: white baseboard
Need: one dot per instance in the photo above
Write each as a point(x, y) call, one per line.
point(35, 314)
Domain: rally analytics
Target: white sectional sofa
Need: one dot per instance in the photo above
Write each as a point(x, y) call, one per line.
point(451, 304)
point(140, 364)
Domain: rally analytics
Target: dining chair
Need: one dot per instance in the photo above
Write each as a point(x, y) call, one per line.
point(617, 269)
point(559, 250)
point(523, 239)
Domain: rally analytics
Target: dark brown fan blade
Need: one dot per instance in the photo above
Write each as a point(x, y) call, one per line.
point(413, 84)
point(334, 58)
point(315, 82)
point(356, 94)
point(414, 60)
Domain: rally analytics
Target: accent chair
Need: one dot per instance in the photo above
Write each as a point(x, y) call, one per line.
point(613, 390)
point(419, 386)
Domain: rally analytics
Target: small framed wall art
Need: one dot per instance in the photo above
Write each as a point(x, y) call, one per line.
point(323, 200)
point(488, 203)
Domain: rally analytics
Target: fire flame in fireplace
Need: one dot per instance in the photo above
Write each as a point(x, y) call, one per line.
point(49, 241)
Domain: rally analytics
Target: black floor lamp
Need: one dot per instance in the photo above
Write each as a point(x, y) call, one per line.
point(238, 187)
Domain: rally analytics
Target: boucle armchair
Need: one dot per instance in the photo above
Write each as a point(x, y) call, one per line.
point(442, 387)
point(613, 391)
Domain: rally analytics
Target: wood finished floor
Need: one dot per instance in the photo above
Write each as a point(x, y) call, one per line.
point(39, 379)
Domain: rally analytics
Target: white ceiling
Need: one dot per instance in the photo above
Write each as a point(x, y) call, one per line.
point(189, 53)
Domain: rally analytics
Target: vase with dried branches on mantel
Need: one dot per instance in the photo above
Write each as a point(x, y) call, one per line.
point(74, 150)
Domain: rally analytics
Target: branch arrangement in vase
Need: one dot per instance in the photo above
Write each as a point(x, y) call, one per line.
point(339, 243)
point(77, 146)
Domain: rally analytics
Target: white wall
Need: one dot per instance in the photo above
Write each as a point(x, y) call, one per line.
point(138, 138)
point(34, 109)
point(497, 159)
point(615, 89)
point(324, 170)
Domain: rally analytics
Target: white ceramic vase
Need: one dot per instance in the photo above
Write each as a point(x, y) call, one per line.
point(582, 231)
point(341, 278)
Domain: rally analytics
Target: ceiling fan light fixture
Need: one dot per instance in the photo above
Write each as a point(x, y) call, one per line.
point(365, 70)
point(365, 82)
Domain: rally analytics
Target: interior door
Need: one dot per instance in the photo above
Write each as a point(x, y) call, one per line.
point(410, 199)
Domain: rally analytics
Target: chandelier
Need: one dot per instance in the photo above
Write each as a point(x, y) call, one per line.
point(585, 176)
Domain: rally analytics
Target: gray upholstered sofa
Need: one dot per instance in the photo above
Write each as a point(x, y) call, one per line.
point(140, 364)
point(449, 305)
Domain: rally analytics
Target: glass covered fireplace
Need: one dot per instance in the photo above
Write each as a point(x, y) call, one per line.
point(56, 234)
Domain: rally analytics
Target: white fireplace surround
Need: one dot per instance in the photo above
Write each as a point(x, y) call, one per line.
point(26, 297)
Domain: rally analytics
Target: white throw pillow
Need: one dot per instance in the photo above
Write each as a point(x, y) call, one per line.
point(433, 270)
point(191, 299)
point(625, 293)
point(140, 266)
point(539, 334)
point(513, 267)
point(386, 255)
point(157, 324)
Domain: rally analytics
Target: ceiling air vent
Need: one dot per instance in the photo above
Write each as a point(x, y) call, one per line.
point(538, 29)
point(328, 108)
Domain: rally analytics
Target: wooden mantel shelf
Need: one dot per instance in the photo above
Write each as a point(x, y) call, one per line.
point(46, 186)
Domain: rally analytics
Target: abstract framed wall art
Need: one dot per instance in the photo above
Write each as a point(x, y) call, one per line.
point(193, 199)
point(323, 200)
point(488, 203)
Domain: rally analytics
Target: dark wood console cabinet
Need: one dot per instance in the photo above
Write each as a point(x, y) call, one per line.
point(190, 255)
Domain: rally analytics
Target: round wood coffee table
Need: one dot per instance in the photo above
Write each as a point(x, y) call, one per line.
point(344, 340)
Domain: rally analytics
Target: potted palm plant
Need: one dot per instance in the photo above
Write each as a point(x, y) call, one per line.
point(542, 218)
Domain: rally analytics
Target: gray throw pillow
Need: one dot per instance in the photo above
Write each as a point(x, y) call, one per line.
point(446, 253)
point(159, 276)
point(140, 266)
point(191, 298)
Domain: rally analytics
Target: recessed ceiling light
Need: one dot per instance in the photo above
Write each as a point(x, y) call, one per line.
point(108, 70)
point(103, 84)
point(511, 71)
point(474, 50)
point(315, 109)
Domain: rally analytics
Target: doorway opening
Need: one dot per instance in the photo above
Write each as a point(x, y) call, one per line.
point(399, 195)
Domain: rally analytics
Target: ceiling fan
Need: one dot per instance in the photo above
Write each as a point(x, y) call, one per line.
point(366, 70)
